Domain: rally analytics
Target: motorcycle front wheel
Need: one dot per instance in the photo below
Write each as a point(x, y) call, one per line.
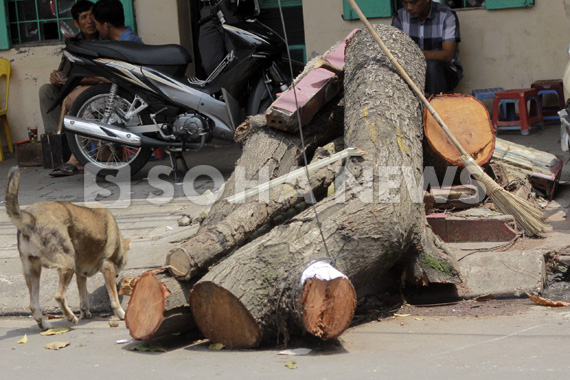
point(106, 158)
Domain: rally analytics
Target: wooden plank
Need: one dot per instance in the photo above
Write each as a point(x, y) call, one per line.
point(313, 89)
point(543, 169)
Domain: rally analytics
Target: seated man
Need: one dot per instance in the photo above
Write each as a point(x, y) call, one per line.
point(109, 19)
point(435, 28)
point(83, 19)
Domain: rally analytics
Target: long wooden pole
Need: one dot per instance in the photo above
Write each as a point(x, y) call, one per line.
point(405, 75)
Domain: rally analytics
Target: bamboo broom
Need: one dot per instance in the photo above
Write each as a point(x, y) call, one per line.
point(527, 217)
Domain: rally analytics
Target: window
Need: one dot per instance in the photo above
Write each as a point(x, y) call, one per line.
point(40, 20)
point(24, 21)
point(386, 8)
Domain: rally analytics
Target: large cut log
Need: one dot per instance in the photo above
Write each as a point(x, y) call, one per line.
point(468, 120)
point(373, 221)
point(159, 306)
point(268, 154)
point(211, 244)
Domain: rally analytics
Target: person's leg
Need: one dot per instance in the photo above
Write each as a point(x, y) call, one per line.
point(47, 94)
point(210, 43)
point(436, 81)
point(440, 77)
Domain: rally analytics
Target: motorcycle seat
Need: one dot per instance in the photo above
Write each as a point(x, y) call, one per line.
point(170, 58)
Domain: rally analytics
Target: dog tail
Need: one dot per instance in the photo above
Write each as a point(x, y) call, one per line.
point(12, 204)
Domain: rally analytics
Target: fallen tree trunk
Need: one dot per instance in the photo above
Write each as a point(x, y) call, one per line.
point(213, 243)
point(159, 306)
point(371, 223)
point(268, 154)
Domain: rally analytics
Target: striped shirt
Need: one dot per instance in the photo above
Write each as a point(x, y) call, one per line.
point(441, 25)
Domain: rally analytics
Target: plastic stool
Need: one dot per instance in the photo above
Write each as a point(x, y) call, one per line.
point(550, 86)
point(527, 118)
point(483, 94)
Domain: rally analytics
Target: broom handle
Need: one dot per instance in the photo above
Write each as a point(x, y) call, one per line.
point(405, 75)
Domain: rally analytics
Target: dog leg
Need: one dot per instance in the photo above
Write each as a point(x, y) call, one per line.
point(32, 274)
point(83, 296)
point(108, 269)
point(65, 276)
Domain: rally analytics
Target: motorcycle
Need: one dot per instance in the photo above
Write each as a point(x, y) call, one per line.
point(149, 104)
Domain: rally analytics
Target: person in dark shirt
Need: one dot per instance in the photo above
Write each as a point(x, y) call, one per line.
point(435, 28)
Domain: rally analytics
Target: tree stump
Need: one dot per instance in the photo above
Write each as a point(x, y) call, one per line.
point(371, 223)
point(159, 306)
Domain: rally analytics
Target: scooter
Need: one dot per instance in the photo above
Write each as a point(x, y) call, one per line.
point(149, 104)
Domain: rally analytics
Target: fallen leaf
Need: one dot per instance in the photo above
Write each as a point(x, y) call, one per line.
point(216, 346)
point(24, 339)
point(547, 301)
point(56, 345)
point(419, 319)
point(484, 297)
point(291, 364)
point(148, 347)
point(402, 315)
point(58, 331)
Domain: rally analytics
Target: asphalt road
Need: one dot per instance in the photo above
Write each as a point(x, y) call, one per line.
point(532, 343)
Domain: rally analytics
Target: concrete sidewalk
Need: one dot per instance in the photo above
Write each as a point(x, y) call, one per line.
point(151, 222)
point(147, 217)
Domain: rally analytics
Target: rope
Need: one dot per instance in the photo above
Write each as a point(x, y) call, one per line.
point(319, 225)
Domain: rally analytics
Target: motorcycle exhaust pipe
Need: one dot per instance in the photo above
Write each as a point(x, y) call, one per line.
point(106, 132)
point(94, 129)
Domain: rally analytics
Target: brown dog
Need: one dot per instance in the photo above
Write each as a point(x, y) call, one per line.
point(71, 239)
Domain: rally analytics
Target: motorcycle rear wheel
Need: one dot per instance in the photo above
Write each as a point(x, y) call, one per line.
point(106, 158)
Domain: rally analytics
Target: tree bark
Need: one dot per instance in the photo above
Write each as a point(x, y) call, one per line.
point(159, 306)
point(213, 243)
point(371, 222)
point(268, 154)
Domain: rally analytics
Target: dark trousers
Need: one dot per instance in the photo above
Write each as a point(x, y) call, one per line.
point(440, 77)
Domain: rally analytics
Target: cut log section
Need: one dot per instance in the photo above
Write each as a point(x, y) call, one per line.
point(369, 224)
point(468, 120)
point(159, 306)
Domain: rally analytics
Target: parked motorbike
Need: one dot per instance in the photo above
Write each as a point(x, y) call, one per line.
point(150, 104)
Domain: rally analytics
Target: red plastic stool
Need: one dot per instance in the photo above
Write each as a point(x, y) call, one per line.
point(527, 118)
point(550, 86)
